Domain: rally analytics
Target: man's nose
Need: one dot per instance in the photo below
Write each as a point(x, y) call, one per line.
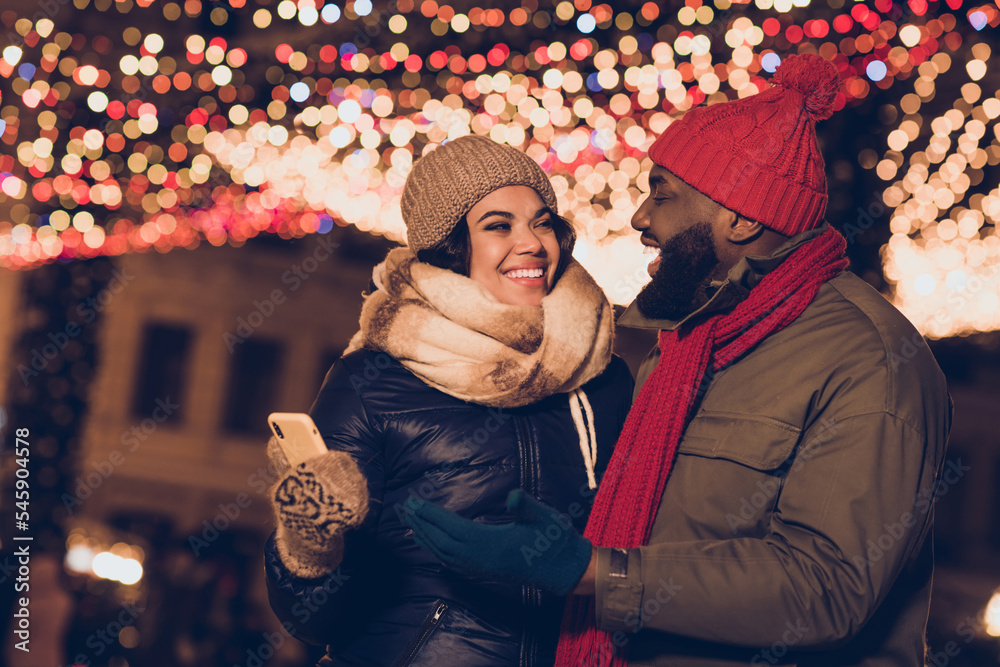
point(640, 219)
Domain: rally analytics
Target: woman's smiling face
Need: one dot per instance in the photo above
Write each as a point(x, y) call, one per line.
point(514, 249)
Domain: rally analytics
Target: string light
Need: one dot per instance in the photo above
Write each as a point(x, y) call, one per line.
point(166, 141)
point(943, 258)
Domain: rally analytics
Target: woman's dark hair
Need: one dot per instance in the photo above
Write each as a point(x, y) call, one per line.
point(454, 253)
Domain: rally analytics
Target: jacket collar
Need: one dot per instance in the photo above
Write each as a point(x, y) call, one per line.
point(743, 277)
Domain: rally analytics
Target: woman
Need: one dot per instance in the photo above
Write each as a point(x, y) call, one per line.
point(483, 365)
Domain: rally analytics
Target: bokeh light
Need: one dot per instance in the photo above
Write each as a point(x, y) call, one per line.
point(202, 122)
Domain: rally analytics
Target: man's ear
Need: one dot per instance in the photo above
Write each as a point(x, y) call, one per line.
point(740, 230)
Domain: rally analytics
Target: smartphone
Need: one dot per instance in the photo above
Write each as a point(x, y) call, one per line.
point(298, 436)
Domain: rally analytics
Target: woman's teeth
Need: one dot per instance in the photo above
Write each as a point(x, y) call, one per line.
point(525, 273)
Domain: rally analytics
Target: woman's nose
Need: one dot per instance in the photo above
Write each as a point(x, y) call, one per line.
point(527, 241)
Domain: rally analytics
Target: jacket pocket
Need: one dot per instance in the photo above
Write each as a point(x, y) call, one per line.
point(751, 440)
point(727, 477)
point(430, 624)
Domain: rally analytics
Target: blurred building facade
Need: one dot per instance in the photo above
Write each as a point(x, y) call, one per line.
point(202, 345)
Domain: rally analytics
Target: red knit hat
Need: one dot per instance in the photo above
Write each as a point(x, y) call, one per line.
point(758, 156)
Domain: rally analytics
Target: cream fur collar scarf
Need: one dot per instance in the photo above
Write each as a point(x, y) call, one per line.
point(449, 331)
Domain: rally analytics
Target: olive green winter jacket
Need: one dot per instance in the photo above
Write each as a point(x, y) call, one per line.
point(795, 525)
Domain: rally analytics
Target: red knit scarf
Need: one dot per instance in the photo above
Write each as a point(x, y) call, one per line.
point(631, 489)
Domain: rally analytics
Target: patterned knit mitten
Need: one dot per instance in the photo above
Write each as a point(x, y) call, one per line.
point(314, 504)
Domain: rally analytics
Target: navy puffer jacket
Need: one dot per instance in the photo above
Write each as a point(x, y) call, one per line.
point(391, 602)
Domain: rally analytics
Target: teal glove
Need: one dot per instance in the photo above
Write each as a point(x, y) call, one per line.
point(540, 548)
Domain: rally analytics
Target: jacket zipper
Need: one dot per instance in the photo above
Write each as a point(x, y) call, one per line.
point(530, 595)
point(425, 632)
point(524, 449)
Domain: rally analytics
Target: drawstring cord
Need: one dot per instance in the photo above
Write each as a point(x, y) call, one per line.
point(578, 406)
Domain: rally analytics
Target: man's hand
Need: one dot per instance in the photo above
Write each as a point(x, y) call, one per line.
point(588, 582)
point(540, 548)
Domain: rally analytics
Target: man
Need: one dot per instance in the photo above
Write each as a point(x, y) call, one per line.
point(770, 498)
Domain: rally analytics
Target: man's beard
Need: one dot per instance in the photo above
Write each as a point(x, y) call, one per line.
point(680, 284)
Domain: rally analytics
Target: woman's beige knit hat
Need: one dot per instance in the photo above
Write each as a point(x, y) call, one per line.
point(447, 182)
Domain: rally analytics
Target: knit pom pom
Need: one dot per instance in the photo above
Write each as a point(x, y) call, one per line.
point(813, 76)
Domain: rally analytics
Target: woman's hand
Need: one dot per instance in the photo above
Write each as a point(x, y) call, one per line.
point(314, 504)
